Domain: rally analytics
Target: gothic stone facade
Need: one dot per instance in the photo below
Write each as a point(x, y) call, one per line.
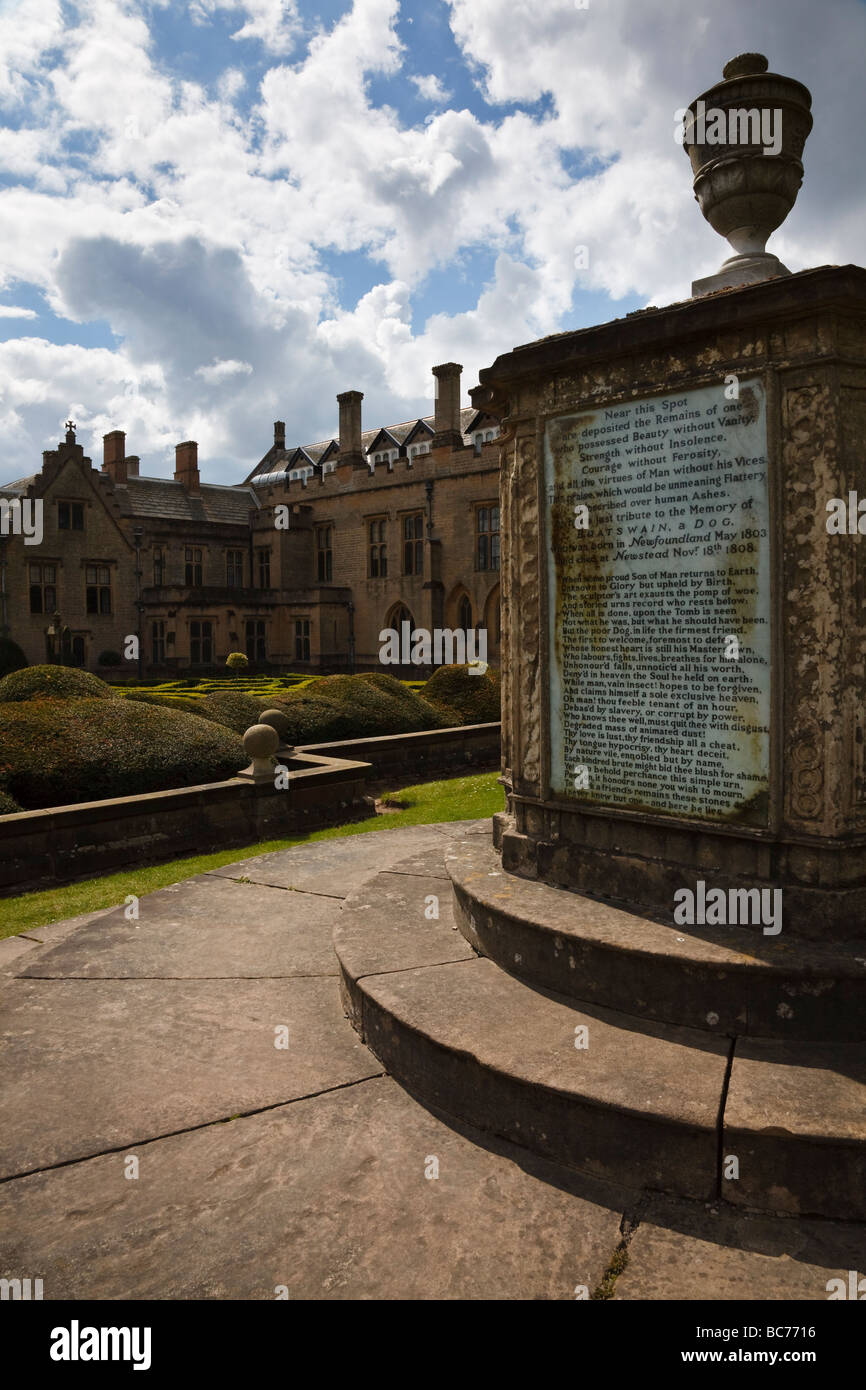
point(301, 565)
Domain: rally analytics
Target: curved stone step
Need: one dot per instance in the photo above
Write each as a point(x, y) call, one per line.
point(643, 1104)
point(639, 1104)
point(727, 980)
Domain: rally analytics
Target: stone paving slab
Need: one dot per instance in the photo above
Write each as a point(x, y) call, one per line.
point(325, 1190)
point(430, 863)
point(12, 949)
point(206, 927)
point(96, 1064)
point(327, 1196)
point(394, 932)
point(692, 1252)
point(334, 867)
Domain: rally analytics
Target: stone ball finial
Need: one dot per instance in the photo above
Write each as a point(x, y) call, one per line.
point(278, 720)
point(261, 741)
point(745, 65)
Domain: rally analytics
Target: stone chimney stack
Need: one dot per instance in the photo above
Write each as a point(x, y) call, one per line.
point(114, 456)
point(132, 463)
point(446, 420)
point(350, 428)
point(279, 434)
point(186, 466)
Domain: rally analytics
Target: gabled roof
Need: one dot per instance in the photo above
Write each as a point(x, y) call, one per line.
point(383, 438)
point(422, 426)
point(165, 498)
point(277, 463)
point(477, 418)
point(19, 487)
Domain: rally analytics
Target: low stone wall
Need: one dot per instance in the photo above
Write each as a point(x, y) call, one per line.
point(327, 786)
point(63, 843)
point(454, 750)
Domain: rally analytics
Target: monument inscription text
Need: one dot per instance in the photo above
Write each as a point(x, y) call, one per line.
point(659, 604)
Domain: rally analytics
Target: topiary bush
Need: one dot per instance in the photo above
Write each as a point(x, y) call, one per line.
point(368, 706)
point(11, 656)
point(54, 682)
point(234, 709)
point(470, 699)
point(56, 752)
point(109, 659)
point(236, 661)
point(165, 701)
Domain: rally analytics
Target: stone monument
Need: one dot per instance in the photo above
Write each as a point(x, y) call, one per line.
point(684, 688)
point(668, 933)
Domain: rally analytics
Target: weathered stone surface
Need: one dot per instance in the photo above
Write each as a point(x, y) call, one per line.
point(481, 1045)
point(388, 926)
point(795, 1118)
point(205, 927)
point(12, 949)
point(326, 1197)
point(787, 334)
point(331, 867)
point(98, 1064)
point(728, 979)
point(687, 1251)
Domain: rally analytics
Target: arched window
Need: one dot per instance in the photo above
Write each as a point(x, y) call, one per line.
point(464, 615)
point(401, 615)
point(489, 434)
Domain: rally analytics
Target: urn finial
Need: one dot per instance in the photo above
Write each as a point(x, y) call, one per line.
point(744, 138)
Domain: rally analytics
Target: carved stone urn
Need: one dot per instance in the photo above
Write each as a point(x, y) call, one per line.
point(745, 138)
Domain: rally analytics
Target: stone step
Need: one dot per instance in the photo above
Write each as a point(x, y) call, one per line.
point(642, 1103)
point(727, 980)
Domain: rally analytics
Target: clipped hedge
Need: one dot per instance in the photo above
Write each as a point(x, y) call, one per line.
point(234, 710)
point(58, 752)
point(12, 657)
point(8, 805)
point(53, 682)
point(368, 706)
point(143, 697)
point(468, 699)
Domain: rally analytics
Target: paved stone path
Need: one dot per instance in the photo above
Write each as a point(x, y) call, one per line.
point(305, 1166)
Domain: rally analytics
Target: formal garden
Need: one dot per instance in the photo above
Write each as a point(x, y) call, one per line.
point(67, 736)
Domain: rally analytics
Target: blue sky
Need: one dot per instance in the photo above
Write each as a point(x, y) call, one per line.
point(215, 215)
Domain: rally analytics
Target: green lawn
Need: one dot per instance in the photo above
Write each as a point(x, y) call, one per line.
point(460, 798)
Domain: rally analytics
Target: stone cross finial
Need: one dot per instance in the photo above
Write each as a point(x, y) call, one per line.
point(70, 432)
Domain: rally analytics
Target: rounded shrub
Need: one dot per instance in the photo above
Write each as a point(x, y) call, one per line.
point(236, 661)
point(59, 752)
point(465, 697)
point(145, 697)
point(109, 658)
point(53, 682)
point(344, 707)
point(234, 709)
point(8, 805)
point(12, 657)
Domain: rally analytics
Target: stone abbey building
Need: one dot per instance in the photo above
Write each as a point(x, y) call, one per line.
point(300, 565)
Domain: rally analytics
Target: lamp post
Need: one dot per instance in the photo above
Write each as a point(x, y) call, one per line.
point(54, 635)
